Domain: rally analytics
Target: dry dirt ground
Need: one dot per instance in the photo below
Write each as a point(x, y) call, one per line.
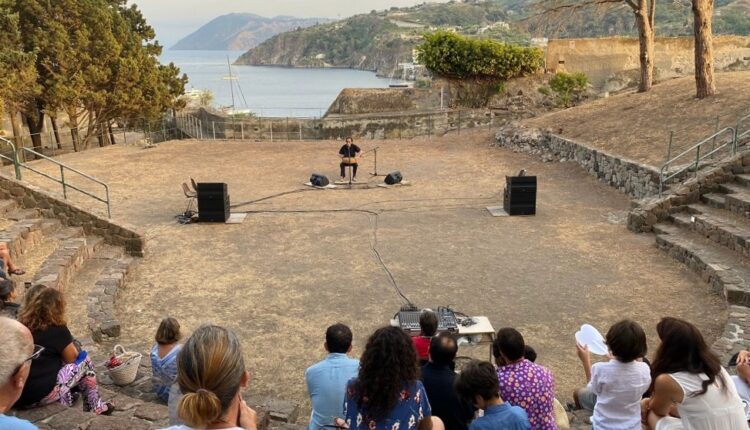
point(303, 261)
point(637, 125)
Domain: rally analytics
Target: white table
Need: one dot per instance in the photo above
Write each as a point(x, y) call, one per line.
point(479, 333)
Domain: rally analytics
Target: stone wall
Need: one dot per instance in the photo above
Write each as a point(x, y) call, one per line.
point(354, 101)
point(602, 59)
point(649, 212)
point(368, 126)
point(630, 177)
point(113, 232)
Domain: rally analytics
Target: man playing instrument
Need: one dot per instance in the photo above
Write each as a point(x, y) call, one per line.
point(348, 154)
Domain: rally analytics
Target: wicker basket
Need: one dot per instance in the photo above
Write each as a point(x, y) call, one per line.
point(125, 373)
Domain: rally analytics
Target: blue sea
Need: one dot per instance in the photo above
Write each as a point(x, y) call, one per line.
point(268, 91)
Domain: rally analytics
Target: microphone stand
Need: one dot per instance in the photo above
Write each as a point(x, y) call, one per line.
point(375, 151)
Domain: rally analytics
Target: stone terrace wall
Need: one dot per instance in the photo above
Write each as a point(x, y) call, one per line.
point(601, 58)
point(630, 177)
point(384, 125)
point(650, 212)
point(113, 232)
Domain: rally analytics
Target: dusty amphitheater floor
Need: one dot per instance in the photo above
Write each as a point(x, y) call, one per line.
point(280, 278)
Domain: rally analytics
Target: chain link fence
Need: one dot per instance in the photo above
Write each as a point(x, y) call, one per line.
point(206, 125)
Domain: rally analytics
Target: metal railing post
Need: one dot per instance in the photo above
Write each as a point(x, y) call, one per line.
point(62, 180)
point(669, 147)
point(213, 126)
point(242, 130)
point(109, 209)
point(697, 159)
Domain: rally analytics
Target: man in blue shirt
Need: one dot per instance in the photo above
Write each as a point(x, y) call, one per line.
point(16, 352)
point(326, 380)
point(478, 383)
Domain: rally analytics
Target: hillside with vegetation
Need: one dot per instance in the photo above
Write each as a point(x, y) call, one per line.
point(381, 39)
point(241, 31)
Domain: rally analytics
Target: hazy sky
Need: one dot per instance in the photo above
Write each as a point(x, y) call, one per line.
point(174, 19)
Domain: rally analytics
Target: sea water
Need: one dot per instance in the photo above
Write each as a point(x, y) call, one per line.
point(268, 91)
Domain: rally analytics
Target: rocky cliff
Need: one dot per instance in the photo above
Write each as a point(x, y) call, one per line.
point(241, 31)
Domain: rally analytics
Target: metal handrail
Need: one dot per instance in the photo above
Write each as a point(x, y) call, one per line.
point(664, 176)
point(746, 133)
point(17, 164)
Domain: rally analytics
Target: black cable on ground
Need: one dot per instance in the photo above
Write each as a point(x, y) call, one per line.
point(273, 196)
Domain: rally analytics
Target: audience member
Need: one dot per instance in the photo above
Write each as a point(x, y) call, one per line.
point(8, 294)
point(428, 324)
point(742, 379)
point(438, 378)
point(561, 415)
point(211, 373)
point(386, 395)
point(478, 382)
point(164, 357)
point(7, 266)
point(61, 368)
point(687, 374)
point(615, 387)
point(523, 383)
point(16, 354)
point(326, 380)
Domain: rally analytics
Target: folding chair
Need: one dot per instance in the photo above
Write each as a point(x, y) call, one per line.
point(190, 195)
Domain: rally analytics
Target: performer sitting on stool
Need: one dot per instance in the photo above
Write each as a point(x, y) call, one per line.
point(348, 154)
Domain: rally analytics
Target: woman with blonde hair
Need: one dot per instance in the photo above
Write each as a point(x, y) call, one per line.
point(211, 374)
point(61, 370)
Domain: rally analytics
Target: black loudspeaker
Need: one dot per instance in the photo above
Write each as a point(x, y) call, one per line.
point(318, 180)
point(394, 178)
point(213, 202)
point(520, 195)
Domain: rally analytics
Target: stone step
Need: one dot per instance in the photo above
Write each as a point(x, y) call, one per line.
point(742, 179)
point(129, 413)
point(725, 271)
point(66, 261)
point(715, 200)
point(723, 227)
point(7, 206)
point(101, 302)
point(737, 198)
point(22, 235)
point(77, 292)
point(22, 214)
point(736, 334)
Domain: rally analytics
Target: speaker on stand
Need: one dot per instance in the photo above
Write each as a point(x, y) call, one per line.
point(213, 202)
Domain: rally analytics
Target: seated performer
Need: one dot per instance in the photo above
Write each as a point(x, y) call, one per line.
point(348, 151)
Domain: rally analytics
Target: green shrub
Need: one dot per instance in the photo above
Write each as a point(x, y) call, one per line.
point(568, 85)
point(545, 91)
point(423, 83)
point(455, 56)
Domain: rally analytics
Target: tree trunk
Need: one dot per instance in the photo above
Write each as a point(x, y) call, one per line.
point(704, 53)
point(644, 22)
point(15, 126)
point(35, 121)
point(74, 131)
point(112, 140)
point(56, 131)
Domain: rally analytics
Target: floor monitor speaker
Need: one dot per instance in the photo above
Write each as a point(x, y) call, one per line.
point(318, 180)
point(394, 178)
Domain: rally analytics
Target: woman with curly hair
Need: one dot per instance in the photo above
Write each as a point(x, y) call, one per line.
point(61, 371)
point(386, 395)
point(690, 388)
